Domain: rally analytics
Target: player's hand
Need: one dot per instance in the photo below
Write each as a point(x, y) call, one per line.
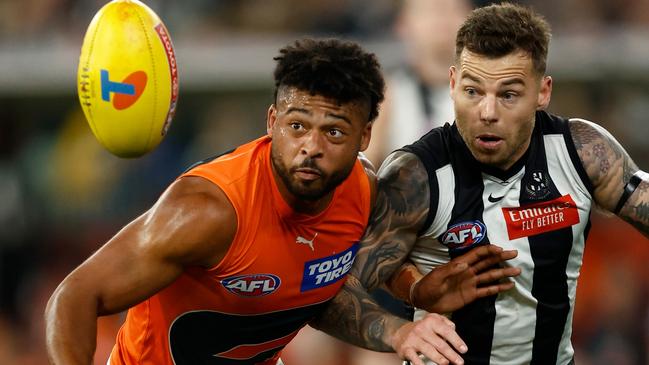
point(465, 279)
point(433, 336)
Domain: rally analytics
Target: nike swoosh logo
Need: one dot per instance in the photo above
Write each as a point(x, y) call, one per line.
point(495, 199)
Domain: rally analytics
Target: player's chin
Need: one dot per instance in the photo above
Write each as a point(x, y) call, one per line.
point(490, 158)
point(311, 190)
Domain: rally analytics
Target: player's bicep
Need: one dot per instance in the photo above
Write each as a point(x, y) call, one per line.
point(607, 164)
point(400, 210)
point(190, 225)
point(611, 171)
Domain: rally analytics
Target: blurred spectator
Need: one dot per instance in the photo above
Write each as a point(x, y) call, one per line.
point(417, 95)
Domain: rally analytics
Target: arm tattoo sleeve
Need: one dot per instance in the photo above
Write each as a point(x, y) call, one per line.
point(610, 169)
point(399, 212)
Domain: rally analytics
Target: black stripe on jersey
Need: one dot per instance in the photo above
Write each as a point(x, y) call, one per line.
point(550, 252)
point(196, 337)
point(558, 125)
point(576, 161)
point(474, 322)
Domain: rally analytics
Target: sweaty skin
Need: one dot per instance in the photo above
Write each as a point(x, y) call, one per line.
point(495, 101)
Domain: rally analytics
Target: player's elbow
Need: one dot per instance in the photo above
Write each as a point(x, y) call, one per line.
point(69, 298)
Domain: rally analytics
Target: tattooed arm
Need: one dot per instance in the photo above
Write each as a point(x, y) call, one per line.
point(399, 212)
point(610, 169)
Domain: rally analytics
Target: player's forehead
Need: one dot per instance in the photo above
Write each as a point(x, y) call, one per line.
point(514, 66)
point(291, 98)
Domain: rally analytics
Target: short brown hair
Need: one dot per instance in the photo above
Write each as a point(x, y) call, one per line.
point(500, 29)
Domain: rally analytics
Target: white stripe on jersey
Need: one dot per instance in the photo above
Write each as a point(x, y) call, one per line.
point(516, 310)
point(427, 252)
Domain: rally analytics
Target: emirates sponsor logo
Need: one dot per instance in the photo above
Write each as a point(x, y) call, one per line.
point(533, 219)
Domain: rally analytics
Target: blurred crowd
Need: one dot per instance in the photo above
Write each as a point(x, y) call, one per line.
point(62, 195)
point(27, 19)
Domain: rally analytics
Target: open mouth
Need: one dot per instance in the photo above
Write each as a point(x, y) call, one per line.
point(489, 138)
point(489, 141)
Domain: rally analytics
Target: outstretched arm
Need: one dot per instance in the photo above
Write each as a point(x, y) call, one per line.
point(192, 224)
point(400, 211)
point(612, 172)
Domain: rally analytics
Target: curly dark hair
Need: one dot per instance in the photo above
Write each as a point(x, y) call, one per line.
point(499, 29)
point(336, 69)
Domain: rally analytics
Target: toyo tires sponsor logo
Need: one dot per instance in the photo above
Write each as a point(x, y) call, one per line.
point(464, 234)
point(252, 285)
point(328, 270)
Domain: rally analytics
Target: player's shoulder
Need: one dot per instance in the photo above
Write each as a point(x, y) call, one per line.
point(189, 185)
point(402, 165)
point(195, 193)
point(197, 213)
point(585, 132)
point(583, 125)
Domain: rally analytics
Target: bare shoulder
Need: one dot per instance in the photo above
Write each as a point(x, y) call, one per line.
point(607, 164)
point(403, 180)
point(194, 219)
point(402, 163)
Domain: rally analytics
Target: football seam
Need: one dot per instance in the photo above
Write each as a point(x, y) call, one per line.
point(154, 77)
point(86, 70)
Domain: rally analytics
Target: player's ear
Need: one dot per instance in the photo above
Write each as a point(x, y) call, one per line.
point(367, 136)
point(451, 79)
point(545, 93)
point(271, 118)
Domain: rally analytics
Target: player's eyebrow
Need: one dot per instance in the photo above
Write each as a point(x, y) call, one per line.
point(309, 113)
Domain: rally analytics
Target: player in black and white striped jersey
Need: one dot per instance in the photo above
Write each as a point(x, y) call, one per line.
point(505, 172)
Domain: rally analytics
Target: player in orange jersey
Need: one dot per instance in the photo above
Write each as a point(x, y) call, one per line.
point(244, 249)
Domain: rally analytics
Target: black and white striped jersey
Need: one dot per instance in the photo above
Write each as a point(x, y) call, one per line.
point(540, 207)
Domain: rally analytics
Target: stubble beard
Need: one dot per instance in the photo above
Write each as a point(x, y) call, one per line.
point(504, 158)
point(309, 190)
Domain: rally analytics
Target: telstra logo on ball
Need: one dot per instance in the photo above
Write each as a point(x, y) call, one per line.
point(126, 92)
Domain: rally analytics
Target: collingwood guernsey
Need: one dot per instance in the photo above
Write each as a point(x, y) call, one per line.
point(540, 207)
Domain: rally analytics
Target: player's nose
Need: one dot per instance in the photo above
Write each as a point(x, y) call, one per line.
point(489, 109)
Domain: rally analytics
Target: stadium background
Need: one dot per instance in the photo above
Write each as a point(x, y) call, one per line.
point(62, 196)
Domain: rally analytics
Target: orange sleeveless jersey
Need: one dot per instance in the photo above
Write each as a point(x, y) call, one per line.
point(279, 272)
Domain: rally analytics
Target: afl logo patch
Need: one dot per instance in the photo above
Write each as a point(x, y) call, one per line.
point(253, 285)
point(464, 235)
point(538, 185)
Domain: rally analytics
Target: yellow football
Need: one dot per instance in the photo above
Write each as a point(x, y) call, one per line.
point(127, 78)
